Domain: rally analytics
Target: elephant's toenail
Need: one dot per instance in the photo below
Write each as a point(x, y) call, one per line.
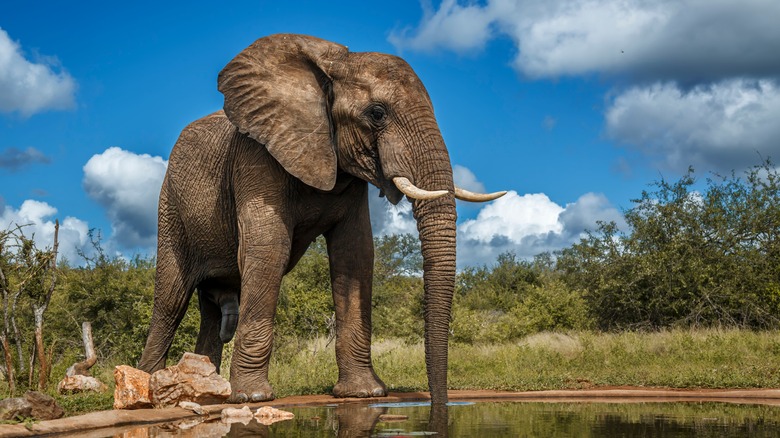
point(378, 392)
point(241, 398)
point(259, 396)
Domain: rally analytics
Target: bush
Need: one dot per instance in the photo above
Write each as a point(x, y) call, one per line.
point(689, 258)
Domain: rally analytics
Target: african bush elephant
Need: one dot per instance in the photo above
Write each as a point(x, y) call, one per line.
point(306, 124)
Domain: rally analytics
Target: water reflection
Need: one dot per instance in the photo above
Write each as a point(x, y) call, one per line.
point(504, 419)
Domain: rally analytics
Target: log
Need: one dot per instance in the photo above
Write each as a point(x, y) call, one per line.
point(82, 368)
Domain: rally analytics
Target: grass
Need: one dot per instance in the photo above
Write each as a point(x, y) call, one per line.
point(676, 359)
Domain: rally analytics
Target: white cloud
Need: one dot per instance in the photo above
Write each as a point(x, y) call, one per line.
point(29, 87)
point(456, 27)
point(37, 221)
point(389, 219)
point(127, 185)
point(465, 179)
point(686, 40)
point(528, 225)
point(700, 77)
point(724, 125)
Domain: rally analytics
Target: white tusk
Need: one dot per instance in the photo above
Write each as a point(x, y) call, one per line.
point(465, 195)
point(414, 192)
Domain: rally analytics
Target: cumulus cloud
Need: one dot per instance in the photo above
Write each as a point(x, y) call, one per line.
point(31, 87)
point(37, 221)
point(724, 125)
point(686, 40)
point(127, 185)
point(528, 225)
point(14, 159)
point(389, 219)
point(465, 179)
point(699, 78)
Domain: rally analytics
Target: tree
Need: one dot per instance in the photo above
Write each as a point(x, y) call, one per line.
point(5, 269)
point(31, 273)
point(688, 258)
point(38, 282)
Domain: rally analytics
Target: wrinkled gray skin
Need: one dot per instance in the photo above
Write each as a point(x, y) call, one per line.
point(306, 124)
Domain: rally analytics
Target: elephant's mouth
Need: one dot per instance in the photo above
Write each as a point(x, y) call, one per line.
point(389, 190)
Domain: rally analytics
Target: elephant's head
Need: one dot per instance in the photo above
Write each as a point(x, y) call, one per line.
point(320, 110)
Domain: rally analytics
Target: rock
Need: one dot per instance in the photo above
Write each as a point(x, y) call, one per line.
point(268, 415)
point(34, 404)
point(44, 407)
point(15, 409)
point(194, 407)
point(80, 383)
point(193, 379)
point(132, 388)
point(233, 415)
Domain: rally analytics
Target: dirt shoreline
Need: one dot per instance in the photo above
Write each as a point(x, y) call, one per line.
point(111, 422)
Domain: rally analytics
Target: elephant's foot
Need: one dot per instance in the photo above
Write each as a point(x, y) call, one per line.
point(250, 393)
point(364, 385)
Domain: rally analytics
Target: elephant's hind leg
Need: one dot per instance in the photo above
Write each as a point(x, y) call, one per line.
point(172, 290)
point(174, 283)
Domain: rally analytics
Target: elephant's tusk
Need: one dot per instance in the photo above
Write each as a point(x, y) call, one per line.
point(414, 192)
point(465, 195)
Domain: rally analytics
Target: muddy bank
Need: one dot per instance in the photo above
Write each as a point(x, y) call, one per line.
point(112, 422)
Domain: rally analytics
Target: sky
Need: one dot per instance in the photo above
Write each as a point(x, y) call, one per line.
point(573, 106)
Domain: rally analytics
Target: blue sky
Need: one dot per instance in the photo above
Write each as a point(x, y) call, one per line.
point(574, 105)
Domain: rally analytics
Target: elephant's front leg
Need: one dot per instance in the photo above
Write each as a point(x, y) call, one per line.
point(264, 252)
point(351, 252)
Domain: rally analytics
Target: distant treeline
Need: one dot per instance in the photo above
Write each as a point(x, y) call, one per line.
point(685, 258)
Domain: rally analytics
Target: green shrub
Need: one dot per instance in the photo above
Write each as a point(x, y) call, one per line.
point(689, 258)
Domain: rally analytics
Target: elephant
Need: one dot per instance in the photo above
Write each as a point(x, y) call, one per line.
point(305, 126)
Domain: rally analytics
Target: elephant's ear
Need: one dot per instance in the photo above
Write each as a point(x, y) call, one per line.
point(277, 91)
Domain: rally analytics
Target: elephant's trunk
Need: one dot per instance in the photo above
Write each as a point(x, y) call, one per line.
point(436, 224)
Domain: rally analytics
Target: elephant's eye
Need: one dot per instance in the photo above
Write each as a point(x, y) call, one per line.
point(377, 114)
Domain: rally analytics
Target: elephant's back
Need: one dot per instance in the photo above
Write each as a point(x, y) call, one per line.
point(202, 149)
point(197, 186)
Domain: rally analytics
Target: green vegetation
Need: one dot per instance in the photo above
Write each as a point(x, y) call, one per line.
point(686, 295)
point(701, 358)
point(688, 259)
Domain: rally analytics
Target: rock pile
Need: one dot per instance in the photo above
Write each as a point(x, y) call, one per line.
point(193, 379)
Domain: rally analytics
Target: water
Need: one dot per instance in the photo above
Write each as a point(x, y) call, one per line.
point(504, 419)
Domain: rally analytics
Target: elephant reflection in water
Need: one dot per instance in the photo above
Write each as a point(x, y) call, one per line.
point(353, 421)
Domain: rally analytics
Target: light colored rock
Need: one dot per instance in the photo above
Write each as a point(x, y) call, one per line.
point(268, 415)
point(194, 407)
point(193, 379)
point(79, 383)
point(132, 388)
point(234, 415)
